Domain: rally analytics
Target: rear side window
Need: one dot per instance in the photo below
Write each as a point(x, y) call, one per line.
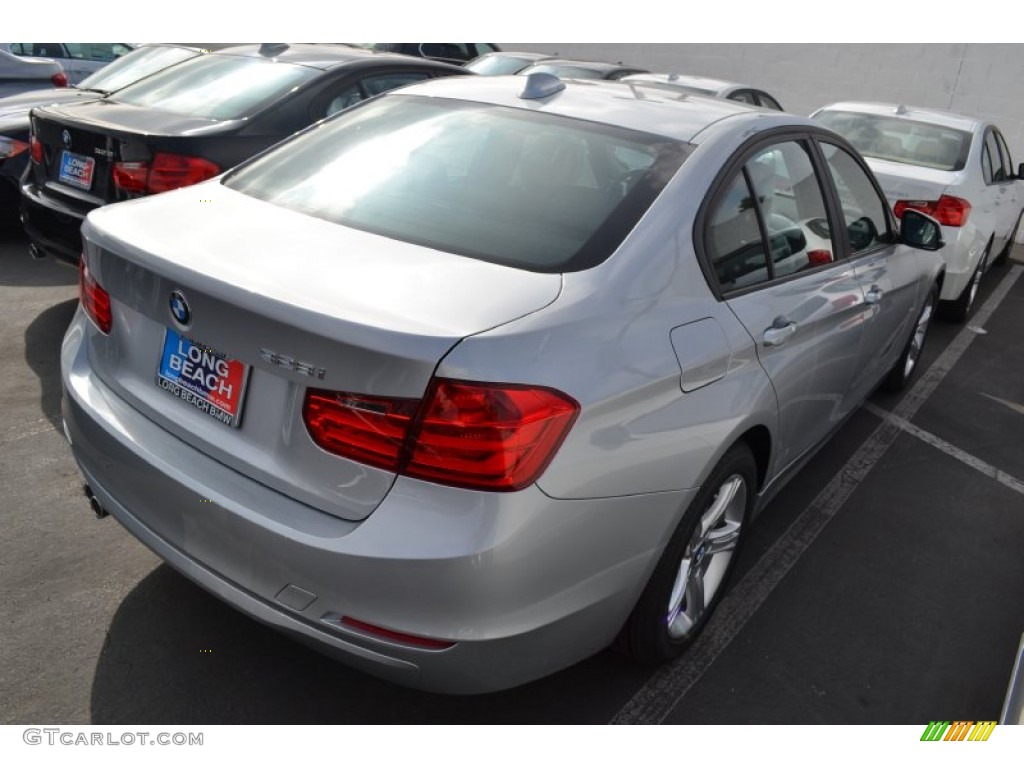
point(218, 87)
point(900, 140)
point(368, 87)
point(772, 220)
point(96, 51)
point(47, 50)
point(536, 191)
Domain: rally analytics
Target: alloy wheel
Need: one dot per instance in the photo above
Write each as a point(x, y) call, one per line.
point(917, 340)
point(705, 560)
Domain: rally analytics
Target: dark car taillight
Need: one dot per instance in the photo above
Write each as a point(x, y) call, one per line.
point(495, 437)
point(60, 80)
point(35, 149)
point(95, 300)
point(163, 173)
point(949, 211)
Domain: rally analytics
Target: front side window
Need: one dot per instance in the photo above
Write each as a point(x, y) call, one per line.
point(1000, 171)
point(864, 209)
point(778, 190)
point(218, 87)
point(1007, 159)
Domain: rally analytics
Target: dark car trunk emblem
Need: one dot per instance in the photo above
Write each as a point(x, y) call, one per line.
point(65, 137)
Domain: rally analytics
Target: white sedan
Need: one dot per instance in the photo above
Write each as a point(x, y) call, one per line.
point(78, 60)
point(23, 73)
point(706, 86)
point(955, 168)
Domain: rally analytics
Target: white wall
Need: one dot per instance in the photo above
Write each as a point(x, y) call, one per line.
point(982, 79)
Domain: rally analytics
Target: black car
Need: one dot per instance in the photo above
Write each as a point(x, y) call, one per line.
point(14, 110)
point(189, 123)
point(453, 53)
point(583, 70)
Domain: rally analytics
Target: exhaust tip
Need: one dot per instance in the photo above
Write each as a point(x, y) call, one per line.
point(94, 503)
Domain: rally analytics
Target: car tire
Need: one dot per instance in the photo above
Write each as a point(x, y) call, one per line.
point(1005, 253)
point(676, 604)
point(959, 309)
point(903, 371)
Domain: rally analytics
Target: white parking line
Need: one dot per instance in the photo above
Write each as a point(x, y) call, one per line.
point(666, 687)
point(1008, 403)
point(949, 449)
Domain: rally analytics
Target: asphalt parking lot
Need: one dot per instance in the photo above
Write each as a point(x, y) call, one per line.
point(885, 584)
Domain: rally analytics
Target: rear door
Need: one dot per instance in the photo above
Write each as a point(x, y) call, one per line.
point(1009, 200)
point(770, 250)
point(995, 204)
point(888, 272)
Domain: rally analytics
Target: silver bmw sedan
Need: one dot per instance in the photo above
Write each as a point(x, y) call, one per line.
point(472, 380)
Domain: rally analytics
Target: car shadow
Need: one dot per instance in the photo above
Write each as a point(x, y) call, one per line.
point(19, 269)
point(42, 354)
point(175, 654)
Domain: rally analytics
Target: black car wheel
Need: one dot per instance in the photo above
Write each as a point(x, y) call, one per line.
point(691, 575)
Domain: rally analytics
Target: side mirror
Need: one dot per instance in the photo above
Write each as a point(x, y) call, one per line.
point(919, 230)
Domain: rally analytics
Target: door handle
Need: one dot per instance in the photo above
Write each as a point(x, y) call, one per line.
point(782, 328)
point(873, 296)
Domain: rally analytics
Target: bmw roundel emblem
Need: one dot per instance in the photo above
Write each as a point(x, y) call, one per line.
point(180, 310)
point(65, 136)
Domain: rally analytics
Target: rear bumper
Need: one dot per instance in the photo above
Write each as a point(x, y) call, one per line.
point(523, 584)
point(52, 226)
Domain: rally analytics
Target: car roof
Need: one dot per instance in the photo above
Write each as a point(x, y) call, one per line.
point(629, 105)
point(317, 55)
point(900, 111)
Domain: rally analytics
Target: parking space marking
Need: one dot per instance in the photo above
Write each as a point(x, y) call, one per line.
point(949, 449)
point(666, 688)
point(1008, 403)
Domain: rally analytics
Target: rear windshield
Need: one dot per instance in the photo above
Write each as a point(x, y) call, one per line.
point(565, 70)
point(673, 87)
point(136, 65)
point(901, 141)
point(217, 87)
point(501, 64)
point(534, 191)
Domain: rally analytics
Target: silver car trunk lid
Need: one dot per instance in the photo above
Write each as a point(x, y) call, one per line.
point(301, 302)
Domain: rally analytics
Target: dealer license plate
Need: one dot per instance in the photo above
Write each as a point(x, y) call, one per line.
point(203, 377)
point(76, 170)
